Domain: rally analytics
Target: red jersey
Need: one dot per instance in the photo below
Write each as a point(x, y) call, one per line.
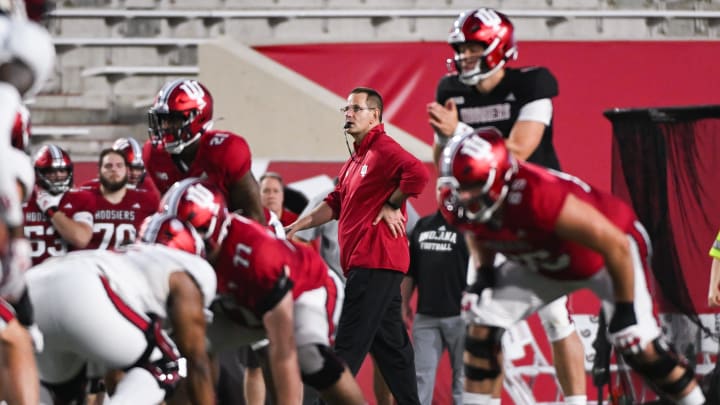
point(118, 224)
point(529, 214)
point(222, 157)
point(45, 242)
point(378, 167)
point(252, 262)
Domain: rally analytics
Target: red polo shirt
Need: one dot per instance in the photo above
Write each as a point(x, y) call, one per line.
point(378, 167)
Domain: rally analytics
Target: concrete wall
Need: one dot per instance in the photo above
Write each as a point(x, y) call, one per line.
point(283, 115)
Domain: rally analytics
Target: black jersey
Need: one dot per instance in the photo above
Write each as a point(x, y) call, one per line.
point(438, 265)
point(500, 108)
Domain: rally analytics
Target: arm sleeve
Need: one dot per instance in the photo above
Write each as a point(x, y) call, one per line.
point(237, 159)
point(413, 175)
point(538, 110)
point(333, 200)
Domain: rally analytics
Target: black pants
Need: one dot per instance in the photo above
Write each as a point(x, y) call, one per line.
point(371, 322)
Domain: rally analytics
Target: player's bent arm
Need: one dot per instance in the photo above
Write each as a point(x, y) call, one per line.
point(318, 216)
point(581, 223)
point(245, 196)
point(18, 361)
point(282, 351)
point(714, 287)
point(188, 321)
point(528, 130)
point(76, 233)
point(524, 138)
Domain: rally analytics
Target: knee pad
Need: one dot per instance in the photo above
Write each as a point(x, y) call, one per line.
point(72, 391)
point(479, 373)
point(661, 367)
point(320, 367)
point(556, 320)
point(31, 43)
point(486, 349)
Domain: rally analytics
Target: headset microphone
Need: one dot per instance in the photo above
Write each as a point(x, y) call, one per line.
point(345, 132)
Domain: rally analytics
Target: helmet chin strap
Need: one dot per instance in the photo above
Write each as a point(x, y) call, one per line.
point(181, 147)
point(476, 75)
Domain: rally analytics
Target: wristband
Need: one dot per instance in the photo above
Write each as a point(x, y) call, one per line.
point(392, 205)
point(623, 317)
point(51, 211)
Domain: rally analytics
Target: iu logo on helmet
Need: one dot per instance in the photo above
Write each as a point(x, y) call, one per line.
point(477, 148)
point(488, 17)
point(195, 92)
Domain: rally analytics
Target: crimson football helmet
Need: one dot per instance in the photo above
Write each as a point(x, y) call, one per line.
point(20, 137)
point(199, 204)
point(169, 231)
point(181, 113)
point(489, 28)
point(475, 174)
point(49, 159)
point(133, 153)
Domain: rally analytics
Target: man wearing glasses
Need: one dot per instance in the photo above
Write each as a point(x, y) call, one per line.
point(369, 204)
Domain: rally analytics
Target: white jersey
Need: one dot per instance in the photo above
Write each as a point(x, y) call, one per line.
point(21, 165)
point(139, 274)
point(94, 308)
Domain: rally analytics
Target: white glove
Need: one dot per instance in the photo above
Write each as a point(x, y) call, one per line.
point(46, 200)
point(627, 340)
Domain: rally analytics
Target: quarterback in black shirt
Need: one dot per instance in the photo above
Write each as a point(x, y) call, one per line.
point(481, 91)
point(518, 97)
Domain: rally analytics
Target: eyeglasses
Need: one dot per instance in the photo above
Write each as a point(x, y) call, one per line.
point(355, 108)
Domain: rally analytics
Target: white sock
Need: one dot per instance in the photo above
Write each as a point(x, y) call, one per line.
point(473, 398)
point(9, 105)
point(576, 400)
point(494, 401)
point(694, 397)
point(138, 386)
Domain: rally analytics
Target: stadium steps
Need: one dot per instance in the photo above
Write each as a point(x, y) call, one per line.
point(106, 39)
